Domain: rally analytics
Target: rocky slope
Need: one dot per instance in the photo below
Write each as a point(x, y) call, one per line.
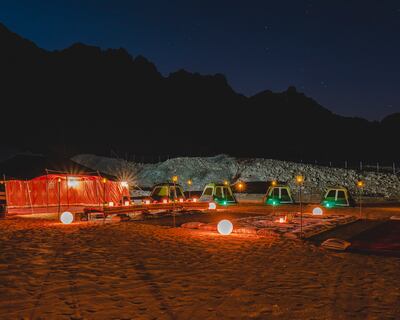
point(223, 167)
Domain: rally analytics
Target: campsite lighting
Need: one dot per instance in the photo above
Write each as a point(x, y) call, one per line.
point(317, 211)
point(212, 206)
point(124, 184)
point(165, 201)
point(73, 182)
point(225, 227)
point(104, 180)
point(175, 179)
point(189, 182)
point(147, 201)
point(273, 183)
point(300, 181)
point(282, 220)
point(226, 182)
point(194, 199)
point(180, 200)
point(111, 204)
point(240, 186)
point(126, 203)
point(360, 186)
point(67, 217)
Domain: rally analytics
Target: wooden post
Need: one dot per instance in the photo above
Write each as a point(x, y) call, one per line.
point(59, 197)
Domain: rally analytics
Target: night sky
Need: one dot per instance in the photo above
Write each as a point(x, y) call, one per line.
point(345, 54)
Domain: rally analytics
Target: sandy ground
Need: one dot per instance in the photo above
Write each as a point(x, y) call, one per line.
point(132, 270)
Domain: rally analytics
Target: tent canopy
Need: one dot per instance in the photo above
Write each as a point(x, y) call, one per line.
point(168, 191)
point(337, 197)
point(55, 190)
point(279, 194)
point(218, 192)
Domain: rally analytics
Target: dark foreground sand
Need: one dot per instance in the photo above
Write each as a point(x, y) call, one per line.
point(130, 270)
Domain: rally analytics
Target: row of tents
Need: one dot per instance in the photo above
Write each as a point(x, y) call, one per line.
point(222, 194)
point(34, 183)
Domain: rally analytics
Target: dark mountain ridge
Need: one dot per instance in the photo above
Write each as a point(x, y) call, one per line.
point(84, 99)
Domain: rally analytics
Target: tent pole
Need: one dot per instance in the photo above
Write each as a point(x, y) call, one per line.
point(5, 192)
point(67, 193)
point(47, 191)
point(59, 197)
point(97, 187)
point(29, 195)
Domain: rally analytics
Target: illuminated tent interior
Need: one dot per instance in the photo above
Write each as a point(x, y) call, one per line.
point(218, 192)
point(167, 191)
point(38, 184)
point(279, 194)
point(337, 197)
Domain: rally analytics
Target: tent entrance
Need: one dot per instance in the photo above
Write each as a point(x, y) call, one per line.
point(278, 195)
point(336, 197)
point(219, 193)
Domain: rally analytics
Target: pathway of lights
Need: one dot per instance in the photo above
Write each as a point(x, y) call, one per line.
point(225, 227)
point(67, 217)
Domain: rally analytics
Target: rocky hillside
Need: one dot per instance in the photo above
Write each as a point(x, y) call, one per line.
point(222, 167)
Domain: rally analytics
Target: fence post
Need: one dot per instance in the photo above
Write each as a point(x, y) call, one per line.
point(377, 167)
point(345, 164)
point(394, 168)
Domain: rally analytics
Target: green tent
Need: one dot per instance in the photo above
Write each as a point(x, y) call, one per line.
point(218, 192)
point(337, 197)
point(279, 194)
point(167, 191)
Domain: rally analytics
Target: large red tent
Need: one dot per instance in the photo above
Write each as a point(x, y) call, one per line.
point(63, 185)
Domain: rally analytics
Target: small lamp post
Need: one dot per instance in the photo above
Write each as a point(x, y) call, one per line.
point(174, 180)
point(300, 181)
point(360, 186)
point(189, 183)
point(104, 180)
point(240, 186)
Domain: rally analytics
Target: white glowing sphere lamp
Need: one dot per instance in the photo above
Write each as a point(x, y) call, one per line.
point(67, 217)
point(225, 227)
point(317, 211)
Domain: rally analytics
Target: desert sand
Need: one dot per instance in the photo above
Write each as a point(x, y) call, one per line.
point(131, 270)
